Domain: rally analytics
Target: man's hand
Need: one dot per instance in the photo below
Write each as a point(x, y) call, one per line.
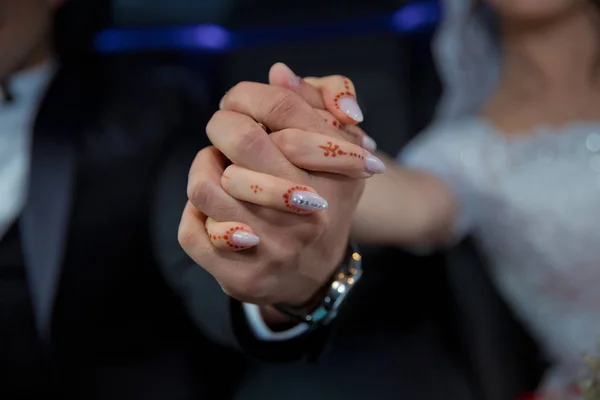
point(269, 215)
point(333, 96)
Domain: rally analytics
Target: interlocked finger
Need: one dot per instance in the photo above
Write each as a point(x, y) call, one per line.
point(321, 153)
point(231, 236)
point(270, 191)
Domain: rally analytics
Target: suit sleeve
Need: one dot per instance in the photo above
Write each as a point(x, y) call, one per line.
point(206, 303)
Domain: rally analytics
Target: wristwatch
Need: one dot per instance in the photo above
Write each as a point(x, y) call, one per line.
point(342, 283)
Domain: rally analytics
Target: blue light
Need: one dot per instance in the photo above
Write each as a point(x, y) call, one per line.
point(215, 38)
point(210, 37)
point(416, 16)
point(200, 37)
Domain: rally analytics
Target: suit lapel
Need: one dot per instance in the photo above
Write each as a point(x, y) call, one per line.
point(45, 219)
point(45, 222)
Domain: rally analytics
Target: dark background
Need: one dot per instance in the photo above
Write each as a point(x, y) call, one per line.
point(402, 295)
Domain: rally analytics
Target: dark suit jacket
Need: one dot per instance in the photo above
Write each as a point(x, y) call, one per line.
point(99, 230)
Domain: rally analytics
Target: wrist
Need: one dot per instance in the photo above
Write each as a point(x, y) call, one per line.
point(274, 319)
point(278, 321)
point(341, 283)
point(322, 305)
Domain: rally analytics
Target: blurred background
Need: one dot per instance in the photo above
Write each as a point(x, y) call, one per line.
point(384, 47)
point(382, 44)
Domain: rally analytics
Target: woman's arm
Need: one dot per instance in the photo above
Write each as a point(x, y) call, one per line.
point(401, 206)
point(404, 207)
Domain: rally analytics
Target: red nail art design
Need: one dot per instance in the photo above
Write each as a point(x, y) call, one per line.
point(333, 150)
point(227, 237)
point(287, 197)
point(256, 188)
point(348, 92)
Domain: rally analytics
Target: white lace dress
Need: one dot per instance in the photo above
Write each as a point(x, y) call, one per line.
point(533, 204)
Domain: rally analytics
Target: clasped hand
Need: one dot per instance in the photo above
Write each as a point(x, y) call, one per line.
point(269, 213)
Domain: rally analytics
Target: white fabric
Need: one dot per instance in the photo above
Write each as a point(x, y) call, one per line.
point(16, 127)
point(467, 57)
point(533, 208)
point(263, 332)
point(532, 202)
point(16, 121)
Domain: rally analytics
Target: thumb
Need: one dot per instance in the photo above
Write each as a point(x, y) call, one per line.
point(335, 93)
point(281, 75)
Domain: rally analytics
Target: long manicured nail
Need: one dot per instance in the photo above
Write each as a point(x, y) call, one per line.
point(294, 80)
point(350, 107)
point(374, 165)
point(368, 143)
point(308, 201)
point(244, 239)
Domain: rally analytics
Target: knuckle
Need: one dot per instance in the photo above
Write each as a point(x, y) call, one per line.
point(251, 139)
point(283, 106)
point(240, 94)
point(214, 122)
point(206, 160)
point(187, 237)
point(200, 192)
point(210, 199)
point(238, 88)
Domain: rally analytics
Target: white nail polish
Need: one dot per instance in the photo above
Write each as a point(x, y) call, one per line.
point(368, 143)
point(350, 107)
point(374, 165)
point(244, 239)
point(308, 201)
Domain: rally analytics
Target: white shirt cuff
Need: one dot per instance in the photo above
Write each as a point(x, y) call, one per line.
point(263, 332)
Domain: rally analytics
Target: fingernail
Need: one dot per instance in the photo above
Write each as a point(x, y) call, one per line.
point(350, 107)
point(374, 165)
point(368, 143)
point(294, 80)
point(244, 239)
point(308, 201)
point(221, 103)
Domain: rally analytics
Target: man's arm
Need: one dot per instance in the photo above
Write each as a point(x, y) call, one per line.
point(221, 318)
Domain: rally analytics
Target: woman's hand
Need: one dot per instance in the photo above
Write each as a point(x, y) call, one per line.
point(273, 226)
point(333, 96)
